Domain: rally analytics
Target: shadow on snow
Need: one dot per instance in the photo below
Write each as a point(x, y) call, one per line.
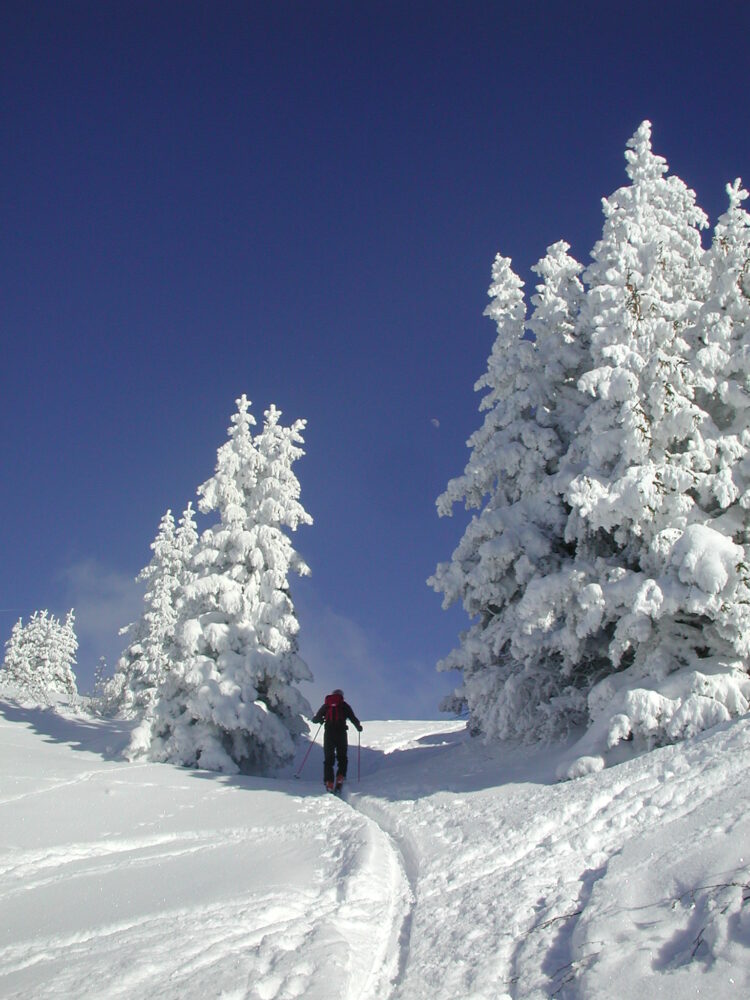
point(56, 724)
point(424, 765)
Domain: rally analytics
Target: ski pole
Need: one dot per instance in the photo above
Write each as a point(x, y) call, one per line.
point(308, 751)
point(359, 751)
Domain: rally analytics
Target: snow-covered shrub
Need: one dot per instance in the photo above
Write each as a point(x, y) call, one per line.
point(613, 478)
point(39, 659)
point(229, 700)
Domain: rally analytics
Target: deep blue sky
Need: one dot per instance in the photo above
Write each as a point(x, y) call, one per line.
point(301, 201)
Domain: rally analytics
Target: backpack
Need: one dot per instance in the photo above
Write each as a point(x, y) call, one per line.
point(335, 708)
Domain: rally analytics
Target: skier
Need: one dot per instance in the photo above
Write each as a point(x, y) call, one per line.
point(334, 712)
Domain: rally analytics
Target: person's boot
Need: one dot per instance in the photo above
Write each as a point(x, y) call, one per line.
point(339, 782)
point(329, 786)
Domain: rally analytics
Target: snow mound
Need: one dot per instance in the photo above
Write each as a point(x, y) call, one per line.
point(654, 712)
point(705, 558)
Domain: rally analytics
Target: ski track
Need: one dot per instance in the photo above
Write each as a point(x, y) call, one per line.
point(402, 868)
point(220, 946)
point(79, 779)
point(27, 870)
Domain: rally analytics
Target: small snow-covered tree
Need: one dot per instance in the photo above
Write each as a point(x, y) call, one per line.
point(66, 645)
point(40, 656)
point(148, 655)
point(230, 701)
point(105, 696)
point(15, 664)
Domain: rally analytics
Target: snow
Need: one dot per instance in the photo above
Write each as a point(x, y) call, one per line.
point(452, 869)
point(706, 558)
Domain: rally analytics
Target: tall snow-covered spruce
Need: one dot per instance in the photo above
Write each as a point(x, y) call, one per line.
point(666, 571)
point(532, 408)
point(723, 356)
point(230, 701)
point(623, 602)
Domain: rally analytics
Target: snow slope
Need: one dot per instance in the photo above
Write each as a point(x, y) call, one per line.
point(451, 870)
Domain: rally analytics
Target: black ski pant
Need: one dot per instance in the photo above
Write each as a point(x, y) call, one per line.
point(335, 747)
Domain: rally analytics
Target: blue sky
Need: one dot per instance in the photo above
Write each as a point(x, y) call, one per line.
point(302, 201)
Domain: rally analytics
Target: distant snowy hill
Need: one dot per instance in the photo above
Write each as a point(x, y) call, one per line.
point(451, 870)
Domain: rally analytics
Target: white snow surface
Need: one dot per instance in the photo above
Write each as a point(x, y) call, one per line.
point(452, 869)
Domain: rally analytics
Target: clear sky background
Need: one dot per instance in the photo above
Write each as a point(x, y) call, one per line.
point(302, 201)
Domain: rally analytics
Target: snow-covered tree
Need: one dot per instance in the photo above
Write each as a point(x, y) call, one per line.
point(644, 290)
point(477, 572)
point(723, 357)
point(106, 692)
point(562, 349)
point(693, 673)
point(550, 640)
point(633, 613)
point(145, 661)
point(230, 701)
point(63, 678)
point(533, 408)
point(40, 656)
point(663, 574)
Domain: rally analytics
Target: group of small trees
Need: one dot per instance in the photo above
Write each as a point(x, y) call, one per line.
point(39, 658)
point(212, 665)
point(606, 570)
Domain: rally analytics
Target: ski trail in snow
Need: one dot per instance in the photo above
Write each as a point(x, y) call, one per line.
point(456, 872)
point(392, 855)
point(79, 779)
point(31, 870)
point(272, 942)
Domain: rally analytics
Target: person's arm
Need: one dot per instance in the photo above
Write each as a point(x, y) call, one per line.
point(320, 715)
point(353, 718)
